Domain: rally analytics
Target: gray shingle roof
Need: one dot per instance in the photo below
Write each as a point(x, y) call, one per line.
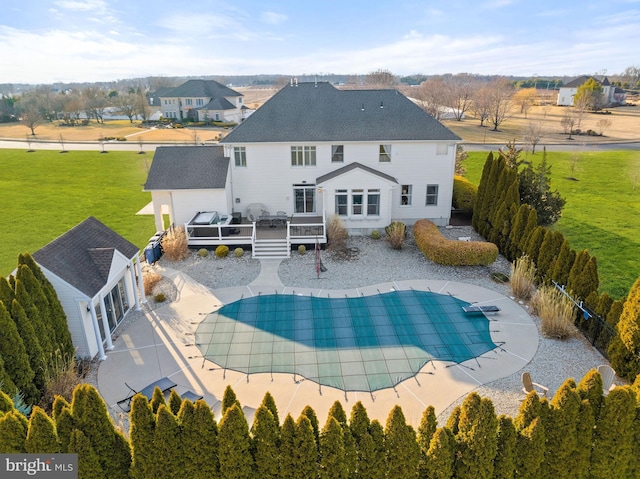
point(82, 256)
point(576, 82)
point(321, 112)
point(218, 104)
point(187, 168)
point(353, 166)
point(200, 88)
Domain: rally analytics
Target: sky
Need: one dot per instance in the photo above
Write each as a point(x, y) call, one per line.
point(51, 41)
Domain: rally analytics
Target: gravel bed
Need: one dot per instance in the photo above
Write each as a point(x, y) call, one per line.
point(373, 261)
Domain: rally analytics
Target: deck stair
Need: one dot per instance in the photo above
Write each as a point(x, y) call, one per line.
point(275, 248)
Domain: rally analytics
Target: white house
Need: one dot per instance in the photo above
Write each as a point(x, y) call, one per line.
point(98, 280)
point(311, 151)
point(568, 91)
point(203, 100)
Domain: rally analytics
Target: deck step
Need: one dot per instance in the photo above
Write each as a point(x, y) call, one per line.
point(271, 248)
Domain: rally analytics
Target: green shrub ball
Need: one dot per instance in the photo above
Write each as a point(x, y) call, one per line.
point(222, 251)
point(203, 252)
point(302, 249)
point(238, 252)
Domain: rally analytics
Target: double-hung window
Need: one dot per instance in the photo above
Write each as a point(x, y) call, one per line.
point(342, 202)
point(385, 153)
point(432, 195)
point(405, 195)
point(373, 202)
point(337, 153)
point(357, 198)
point(303, 156)
point(240, 155)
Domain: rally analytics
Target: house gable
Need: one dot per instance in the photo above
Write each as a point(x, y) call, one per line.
point(187, 168)
point(351, 167)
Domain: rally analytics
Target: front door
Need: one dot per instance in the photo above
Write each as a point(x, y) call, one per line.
point(304, 198)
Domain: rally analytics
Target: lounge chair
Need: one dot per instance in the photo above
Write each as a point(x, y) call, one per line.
point(608, 376)
point(528, 385)
point(191, 396)
point(164, 384)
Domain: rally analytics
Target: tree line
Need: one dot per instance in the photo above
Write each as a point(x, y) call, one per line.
point(580, 433)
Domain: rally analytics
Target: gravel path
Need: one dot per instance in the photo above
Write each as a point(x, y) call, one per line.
point(373, 261)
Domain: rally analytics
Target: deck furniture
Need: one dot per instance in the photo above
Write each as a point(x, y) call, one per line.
point(474, 308)
point(164, 384)
point(191, 396)
point(528, 385)
point(608, 376)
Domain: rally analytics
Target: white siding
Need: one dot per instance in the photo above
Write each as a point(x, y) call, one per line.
point(184, 204)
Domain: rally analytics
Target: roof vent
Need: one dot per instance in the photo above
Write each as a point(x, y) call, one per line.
point(381, 105)
point(362, 107)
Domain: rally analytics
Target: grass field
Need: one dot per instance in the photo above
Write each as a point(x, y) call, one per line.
point(602, 213)
point(46, 193)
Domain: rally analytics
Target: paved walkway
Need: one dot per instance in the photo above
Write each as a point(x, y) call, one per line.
point(160, 343)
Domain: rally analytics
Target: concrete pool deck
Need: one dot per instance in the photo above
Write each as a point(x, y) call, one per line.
point(160, 342)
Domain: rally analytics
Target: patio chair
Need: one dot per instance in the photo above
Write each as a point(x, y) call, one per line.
point(191, 396)
point(608, 376)
point(164, 384)
point(528, 385)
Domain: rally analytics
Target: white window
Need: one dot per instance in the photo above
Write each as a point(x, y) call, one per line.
point(240, 154)
point(199, 102)
point(432, 195)
point(357, 198)
point(342, 202)
point(188, 102)
point(442, 149)
point(405, 195)
point(385, 153)
point(373, 202)
point(303, 156)
point(240, 100)
point(337, 153)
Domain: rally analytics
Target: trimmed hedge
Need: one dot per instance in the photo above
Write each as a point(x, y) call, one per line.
point(450, 252)
point(464, 193)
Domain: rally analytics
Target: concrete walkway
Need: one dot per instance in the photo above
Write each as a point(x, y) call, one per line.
point(160, 342)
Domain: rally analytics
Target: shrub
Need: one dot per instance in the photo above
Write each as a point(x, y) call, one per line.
point(160, 298)
point(523, 274)
point(464, 193)
point(375, 234)
point(302, 249)
point(555, 311)
point(203, 252)
point(450, 252)
point(396, 233)
point(238, 252)
point(337, 234)
point(222, 251)
point(149, 280)
point(175, 245)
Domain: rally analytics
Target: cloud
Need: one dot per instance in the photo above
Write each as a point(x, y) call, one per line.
point(492, 4)
point(273, 18)
point(97, 6)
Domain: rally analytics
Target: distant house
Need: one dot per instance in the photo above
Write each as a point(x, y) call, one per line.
point(203, 100)
point(568, 91)
point(98, 279)
point(311, 151)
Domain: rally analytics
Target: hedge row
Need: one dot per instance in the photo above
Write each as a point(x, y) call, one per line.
point(464, 193)
point(450, 252)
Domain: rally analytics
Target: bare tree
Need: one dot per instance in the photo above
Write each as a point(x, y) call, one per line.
point(630, 77)
point(500, 93)
point(142, 104)
point(71, 107)
point(602, 125)
point(481, 104)
point(381, 79)
point(525, 99)
point(126, 104)
point(568, 122)
point(461, 91)
point(30, 112)
point(432, 95)
point(95, 103)
point(533, 133)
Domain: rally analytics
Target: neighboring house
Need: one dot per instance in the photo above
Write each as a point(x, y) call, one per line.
point(203, 100)
point(98, 279)
point(567, 91)
point(312, 151)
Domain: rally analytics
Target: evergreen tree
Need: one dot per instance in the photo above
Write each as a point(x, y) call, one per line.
point(313, 418)
point(359, 425)
point(454, 420)
point(530, 409)
point(535, 190)
point(337, 411)
point(584, 434)
point(426, 429)
point(562, 266)
point(306, 449)
point(440, 457)
point(611, 456)
point(615, 311)
point(479, 218)
point(403, 452)
point(530, 450)
point(36, 319)
point(6, 404)
point(16, 360)
point(532, 224)
point(32, 346)
point(359, 421)
point(6, 383)
point(590, 388)
point(287, 449)
point(629, 321)
point(65, 425)
point(229, 399)
point(265, 443)
point(504, 465)
point(13, 432)
point(234, 444)
point(175, 401)
point(57, 315)
point(41, 434)
point(199, 433)
point(549, 251)
point(476, 439)
point(157, 400)
point(89, 466)
point(376, 467)
point(167, 445)
point(535, 241)
point(520, 220)
point(91, 416)
point(583, 277)
point(561, 433)
point(332, 458)
point(350, 453)
point(270, 404)
point(7, 294)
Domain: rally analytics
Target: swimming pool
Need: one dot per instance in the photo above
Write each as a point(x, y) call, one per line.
point(363, 343)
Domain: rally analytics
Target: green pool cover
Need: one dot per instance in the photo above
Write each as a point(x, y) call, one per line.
point(363, 343)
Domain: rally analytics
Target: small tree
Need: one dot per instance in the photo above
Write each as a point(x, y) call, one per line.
point(332, 458)
point(534, 185)
point(264, 443)
point(402, 450)
point(234, 445)
point(440, 457)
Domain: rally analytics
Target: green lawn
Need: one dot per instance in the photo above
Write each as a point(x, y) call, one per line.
point(46, 193)
point(602, 213)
